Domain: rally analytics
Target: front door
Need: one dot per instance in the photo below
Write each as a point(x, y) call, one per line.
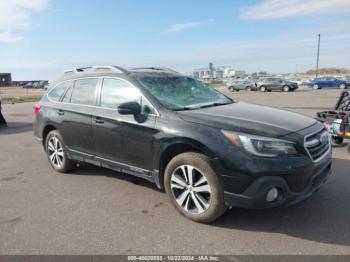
point(123, 139)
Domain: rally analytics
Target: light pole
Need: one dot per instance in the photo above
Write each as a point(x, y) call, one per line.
point(318, 53)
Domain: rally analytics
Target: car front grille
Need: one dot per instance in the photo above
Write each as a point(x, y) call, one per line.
point(317, 144)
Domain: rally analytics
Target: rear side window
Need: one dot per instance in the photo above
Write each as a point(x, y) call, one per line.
point(67, 95)
point(59, 90)
point(84, 91)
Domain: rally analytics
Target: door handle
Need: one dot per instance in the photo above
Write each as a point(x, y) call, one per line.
point(98, 120)
point(60, 112)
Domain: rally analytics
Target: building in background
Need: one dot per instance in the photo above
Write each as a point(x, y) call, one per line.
point(217, 73)
point(5, 79)
point(259, 74)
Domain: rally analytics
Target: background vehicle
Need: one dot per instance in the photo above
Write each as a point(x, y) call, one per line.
point(275, 84)
point(299, 81)
point(184, 136)
point(28, 85)
point(327, 82)
point(241, 84)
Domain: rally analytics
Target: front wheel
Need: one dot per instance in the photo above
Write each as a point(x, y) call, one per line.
point(194, 188)
point(315, 87)
point(248, 88)
point(56, 152)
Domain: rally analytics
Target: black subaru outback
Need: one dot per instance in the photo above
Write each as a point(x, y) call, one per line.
point(206, 150)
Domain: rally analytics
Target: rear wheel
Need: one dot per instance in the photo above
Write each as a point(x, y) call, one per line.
point(248, 88)
point(56, 152)
point(194, 188)
point(285, 88)
point(231, 88)
point(342, 86)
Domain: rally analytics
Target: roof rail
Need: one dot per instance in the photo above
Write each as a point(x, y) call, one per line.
point(107, 68)
point(70, 71)
point(156, 68)
point(113, 68)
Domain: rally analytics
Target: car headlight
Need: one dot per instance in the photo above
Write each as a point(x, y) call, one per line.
point(261, 146)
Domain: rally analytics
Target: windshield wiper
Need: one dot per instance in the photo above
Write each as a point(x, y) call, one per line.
point(185, 108)
point(202, 106)
point(215, 104)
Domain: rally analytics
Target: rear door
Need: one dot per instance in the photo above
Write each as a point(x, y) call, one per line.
point(76, 113)
point(322, 82)
point(332, 82)
point(123, 139)
point(274, 83)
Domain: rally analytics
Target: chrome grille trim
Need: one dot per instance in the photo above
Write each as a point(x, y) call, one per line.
point(315, 149)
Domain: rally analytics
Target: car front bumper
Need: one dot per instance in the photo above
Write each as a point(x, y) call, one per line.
point(254, 197)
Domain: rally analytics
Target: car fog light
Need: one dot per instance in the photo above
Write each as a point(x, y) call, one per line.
point(272, 195)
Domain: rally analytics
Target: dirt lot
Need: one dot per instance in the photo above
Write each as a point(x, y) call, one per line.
point(20, 92)
point(97, 211)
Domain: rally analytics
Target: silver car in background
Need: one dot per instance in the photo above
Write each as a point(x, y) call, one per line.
point(241, 84)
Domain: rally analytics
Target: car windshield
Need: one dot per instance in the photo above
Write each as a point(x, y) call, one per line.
point(181, 92)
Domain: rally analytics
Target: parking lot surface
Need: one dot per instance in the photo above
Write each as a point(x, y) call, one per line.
point(98, 211)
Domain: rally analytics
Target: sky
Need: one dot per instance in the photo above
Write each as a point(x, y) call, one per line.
point(41, 38)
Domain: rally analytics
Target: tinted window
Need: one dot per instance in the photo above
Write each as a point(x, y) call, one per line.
point(67, 95)
point(115, 92)
point(84, 91)
point(59, 90)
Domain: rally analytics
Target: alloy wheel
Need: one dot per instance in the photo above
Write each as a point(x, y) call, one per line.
point(55, 151)
point(191, 189)
point(286, 88)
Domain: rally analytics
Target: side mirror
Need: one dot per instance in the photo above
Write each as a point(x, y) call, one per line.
point(129, 108)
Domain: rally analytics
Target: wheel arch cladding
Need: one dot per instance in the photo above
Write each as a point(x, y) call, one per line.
point(46, 131)
point(175, 149)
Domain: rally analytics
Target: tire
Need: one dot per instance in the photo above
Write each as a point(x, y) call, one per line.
point(231, 88)
point(263, 89)
point(201, 206)
point(286, 88)
point(342, 86)
point(337, 140)
point(56, 153)
point(248, 88)
point(315, 87)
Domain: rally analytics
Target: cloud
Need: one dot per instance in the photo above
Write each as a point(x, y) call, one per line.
point(17, 15)
point(176, 28)
point(270, 9)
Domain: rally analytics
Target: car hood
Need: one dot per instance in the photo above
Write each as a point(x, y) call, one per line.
point(249, 118)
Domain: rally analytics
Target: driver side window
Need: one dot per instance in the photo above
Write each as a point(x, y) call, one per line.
point(116, 91)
